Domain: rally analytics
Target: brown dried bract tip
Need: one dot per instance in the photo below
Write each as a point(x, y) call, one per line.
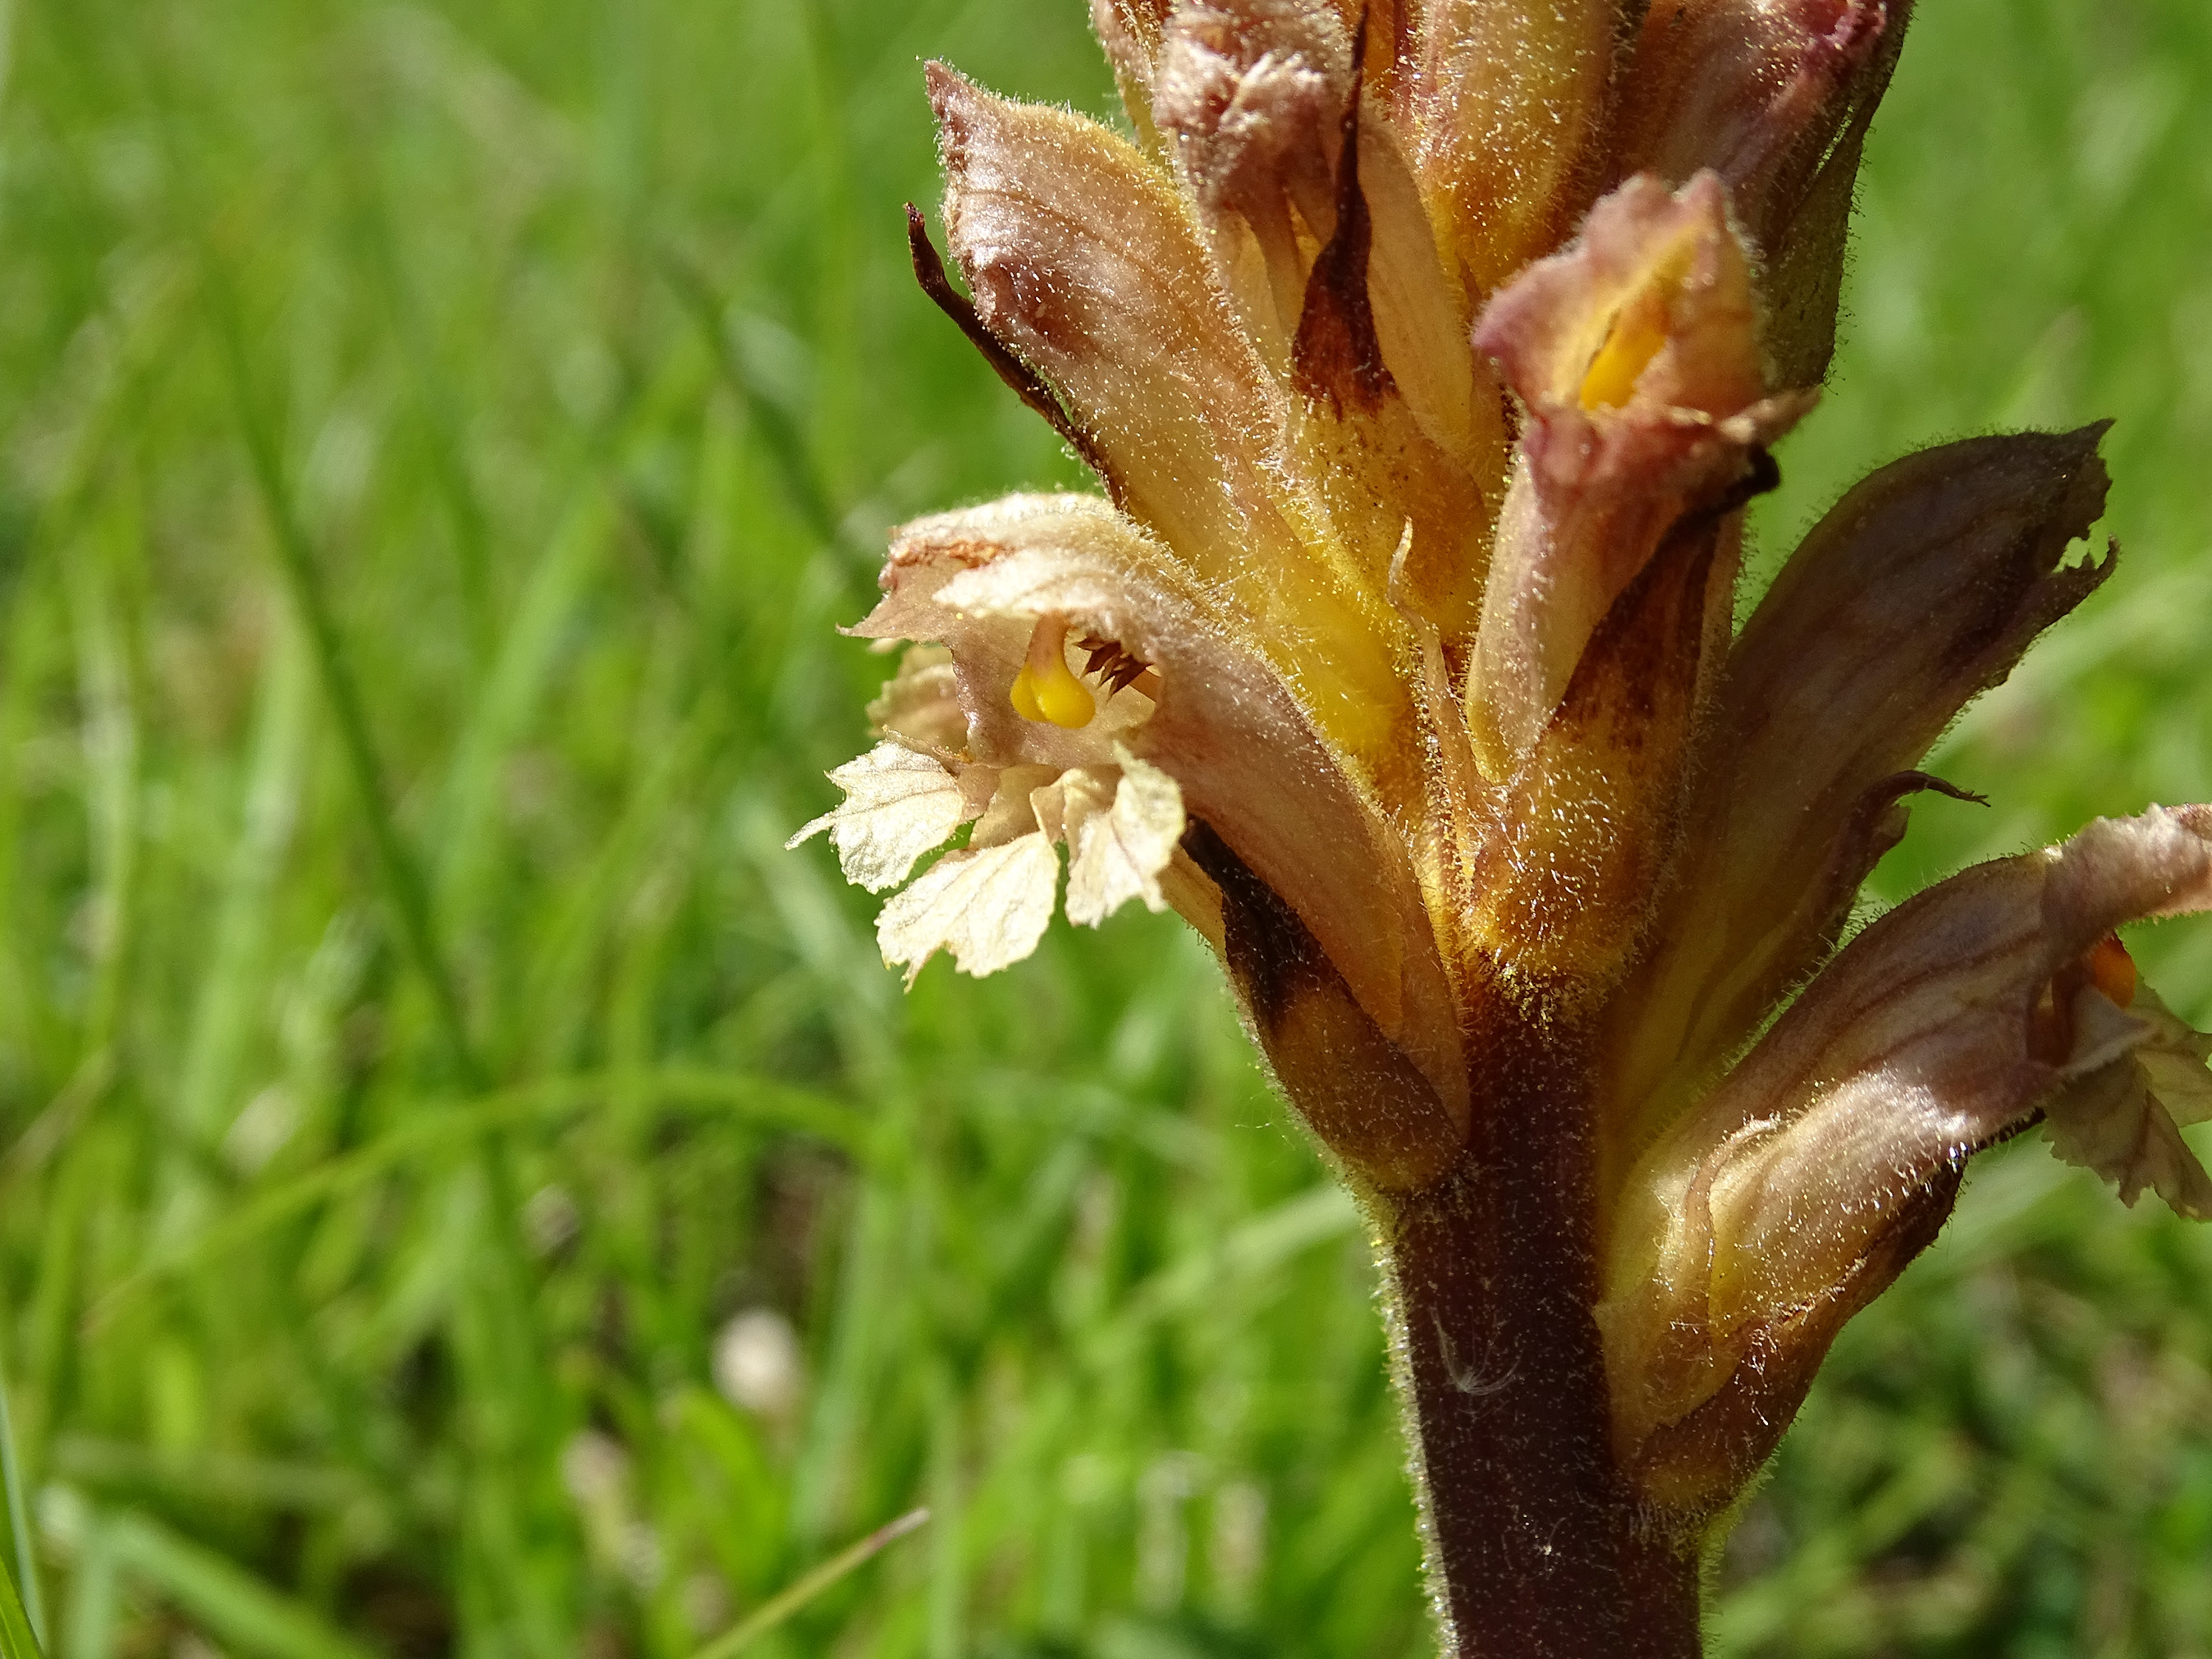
point(1024, 381)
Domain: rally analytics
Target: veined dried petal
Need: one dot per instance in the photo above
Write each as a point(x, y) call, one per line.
point(921, 702)
point(2141, 1079)
point(1636, 355)
point(1804, 1183)
point(1917, 592)
point(1121, 833)
point(1086, 261)
point(1012, 812)
point(1776, 96)
point(987, 907)
point(1511, 99)
point(898, 804)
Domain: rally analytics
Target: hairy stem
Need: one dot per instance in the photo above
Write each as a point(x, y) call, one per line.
point(1533, 1538)
point(1533, 1544)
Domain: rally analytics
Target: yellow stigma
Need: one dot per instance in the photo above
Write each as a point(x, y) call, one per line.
point(1613, 374)
point(1638, 332)
point(1045, 690)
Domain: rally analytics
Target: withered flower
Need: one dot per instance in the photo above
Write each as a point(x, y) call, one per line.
point(1428, 355)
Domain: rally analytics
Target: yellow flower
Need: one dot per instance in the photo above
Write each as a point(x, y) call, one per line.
point(1428, 355)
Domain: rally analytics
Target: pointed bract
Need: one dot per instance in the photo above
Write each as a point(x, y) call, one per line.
point(1511, 103)
point(1917, 592)
point(1086, 261)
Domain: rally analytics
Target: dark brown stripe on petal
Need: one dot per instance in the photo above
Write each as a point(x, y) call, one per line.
point(1338, 357)
point(1025, 382)
point(1358, 1093)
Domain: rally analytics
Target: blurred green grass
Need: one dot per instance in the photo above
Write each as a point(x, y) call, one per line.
point(467, 1190)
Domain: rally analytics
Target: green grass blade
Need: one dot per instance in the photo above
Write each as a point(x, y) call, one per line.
point(30, 1605)
point(773, 1105)
point(17, 1640)
point(402, 877)
point(233, 1605)
point(808, 1585)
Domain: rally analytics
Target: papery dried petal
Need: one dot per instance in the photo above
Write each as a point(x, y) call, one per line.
point(1122, 834)
point(988, 907)
point(1803, 1185)
point(2142, 1079)
point(920, 703)
point(898, 805)
point(1012, 812)
point(1918, 590)
point(1084, 261)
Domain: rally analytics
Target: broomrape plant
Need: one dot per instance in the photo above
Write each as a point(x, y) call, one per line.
point(1428, 353)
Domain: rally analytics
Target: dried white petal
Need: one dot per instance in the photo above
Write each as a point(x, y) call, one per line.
point(921, 702)
point(1011, 813)
point(897, 805)
point(2140, 1075)
point(987, 907)
point(1120, 838)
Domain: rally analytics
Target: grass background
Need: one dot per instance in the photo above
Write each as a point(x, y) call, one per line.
point(439, 441)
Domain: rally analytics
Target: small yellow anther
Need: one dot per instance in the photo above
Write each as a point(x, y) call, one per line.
point(1045, 690)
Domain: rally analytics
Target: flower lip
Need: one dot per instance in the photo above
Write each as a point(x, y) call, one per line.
point(1224, 724)
point(1651, 311)
point(1635, 354)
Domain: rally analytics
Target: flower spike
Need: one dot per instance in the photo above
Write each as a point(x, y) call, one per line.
point(1427, 353)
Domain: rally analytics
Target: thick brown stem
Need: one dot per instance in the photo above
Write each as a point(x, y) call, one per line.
point(1534, 1547)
